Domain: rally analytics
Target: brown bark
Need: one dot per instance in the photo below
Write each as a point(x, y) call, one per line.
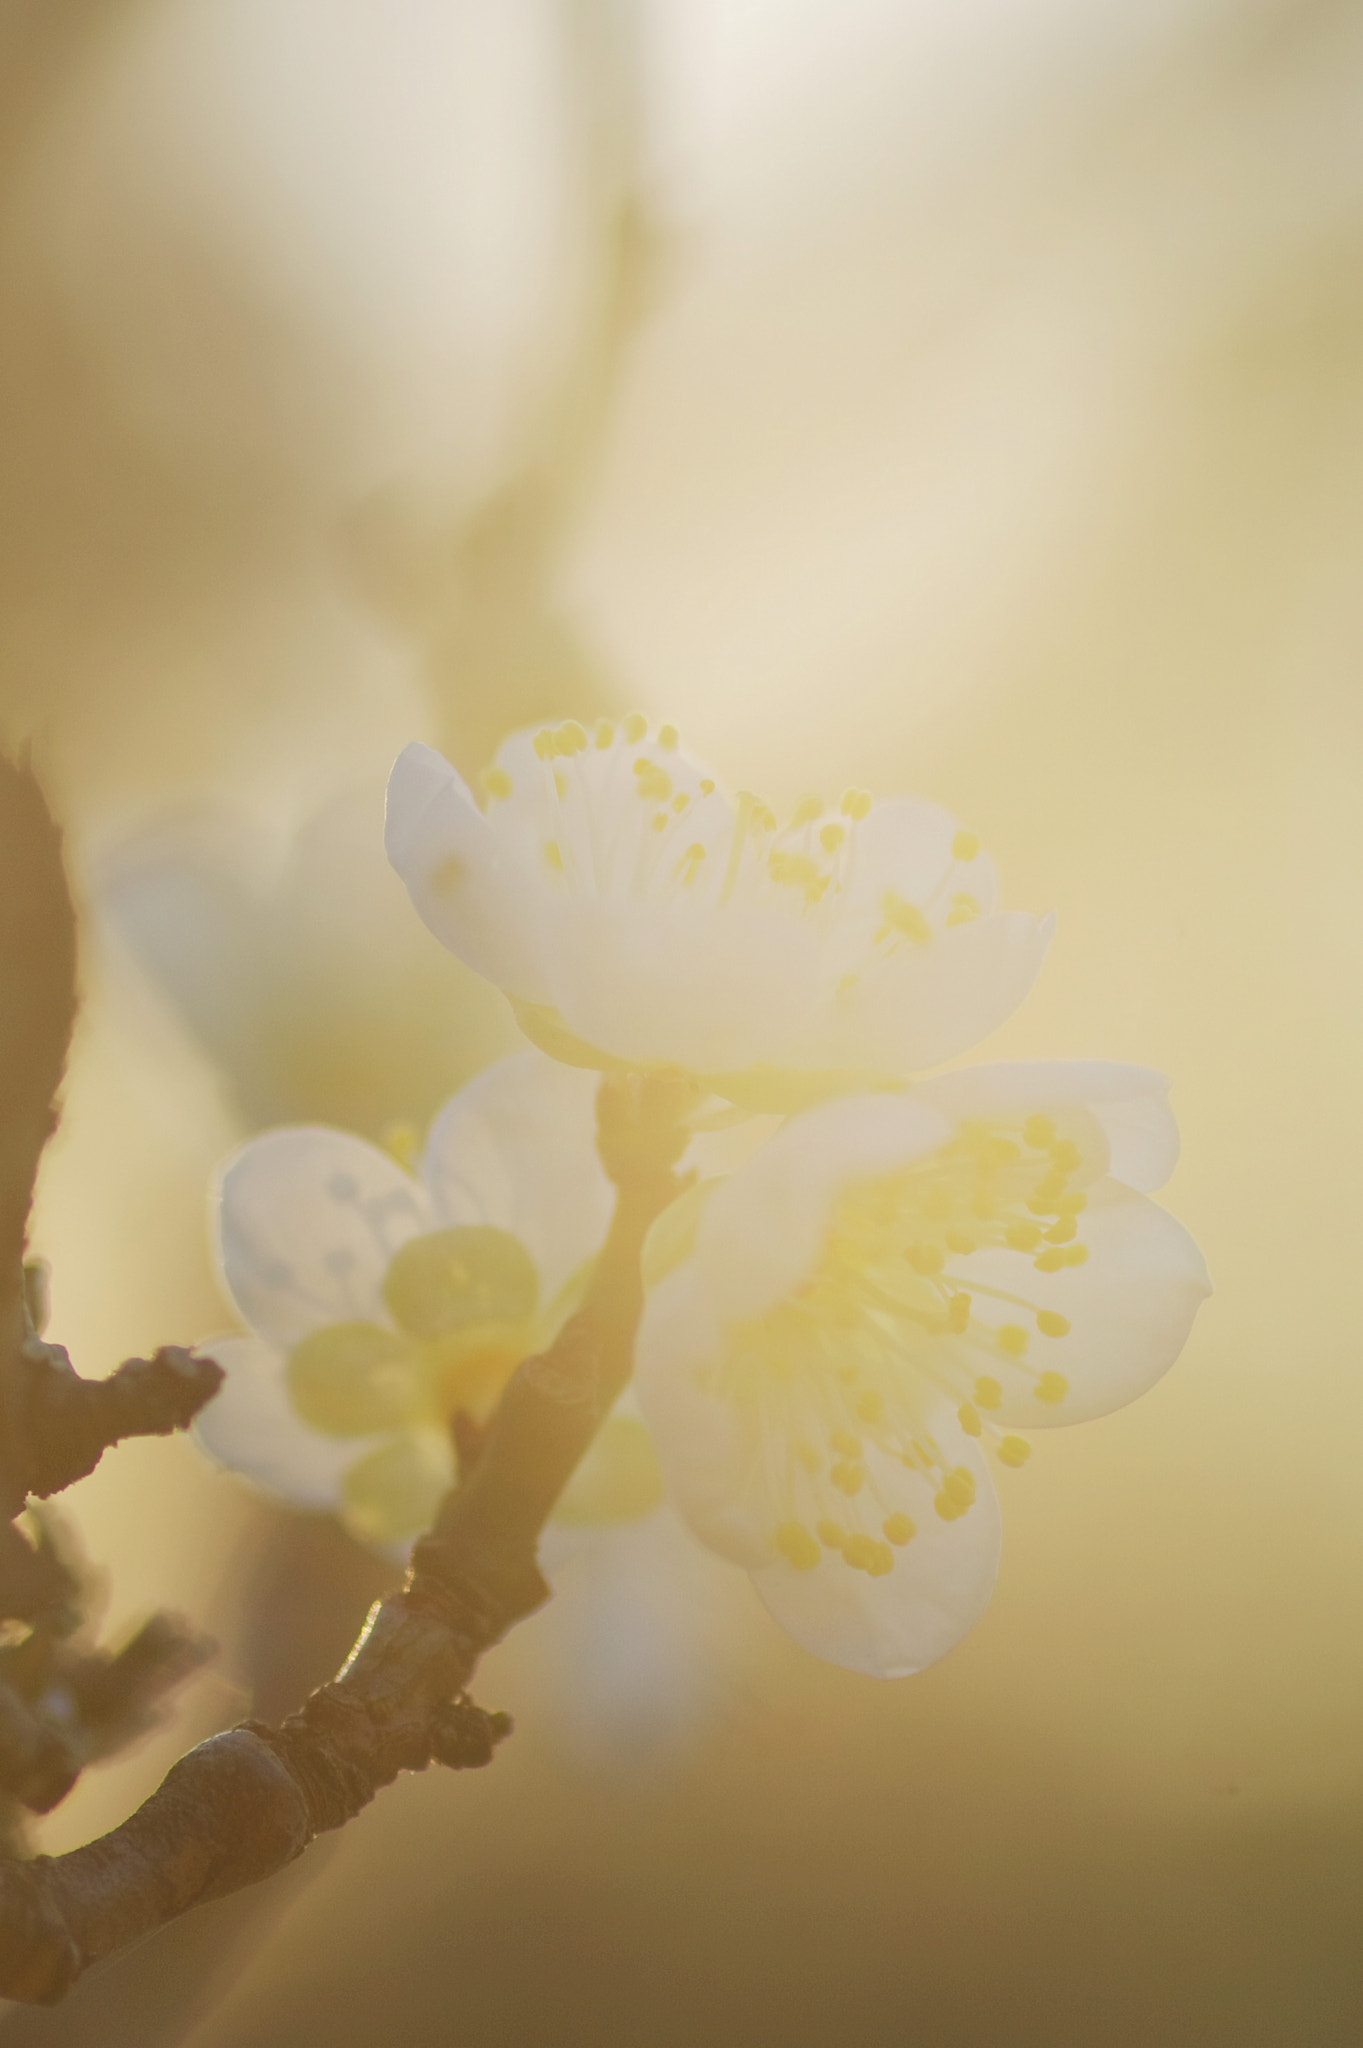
point(246, 1803)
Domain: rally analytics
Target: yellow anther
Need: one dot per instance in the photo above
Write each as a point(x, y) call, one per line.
point(964, 910)
point(856, 803)
point(969, 1420)
point(707, 787)
point(870, 1406)
point(688, 867)
point(958, 1314)
point(1038, 1132)
point(905, 918)
point(1051, 1260)
point(402, 1141)
point(830, 1535)
point(571, 737)
point(1063, 1231)
point(807, 1456)
point(831, 837)
point(660, 822)
point(1076, 1254)
point(1073, 1205)
point(796, 871)
point(1052, 1325)
point(959, 1241)
point(947, 1508)
point(1012, 1339)
point(864, 1554)
point(845, 1443)
point(447, 875)
point(797, 1546)
point(636, 725)
point(553, 853)
point(1014, 1450)
point(848, 1479)
point(1023, 1237)
point(965, 846)
point(1052, 1388)
point(1066, 1156)
point(668, 737)
point(680, 801)
point(604, 733)
point(959, 1485)
point(988, 1393)
point(925, 1258)
point(496, 782)
point(642, 765)
point(544, 743)
point(807, 810)
point(898, 1529)
point(763, 816)
point(1000, 1152)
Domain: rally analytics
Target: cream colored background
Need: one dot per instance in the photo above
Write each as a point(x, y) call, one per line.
point(990, 429)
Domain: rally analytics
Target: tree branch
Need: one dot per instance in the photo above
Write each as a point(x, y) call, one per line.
point(247, 1802)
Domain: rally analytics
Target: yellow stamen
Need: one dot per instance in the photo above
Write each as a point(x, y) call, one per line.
point(898, 1529)
point(969, 1420)
point(988, 1393)
point(1052, 1388)
point(1052, 1325)
point(797, 1546)
point(1014, 1450)
point(636, 725)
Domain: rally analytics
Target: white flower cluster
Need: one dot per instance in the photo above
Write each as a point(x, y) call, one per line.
point(844, 1333)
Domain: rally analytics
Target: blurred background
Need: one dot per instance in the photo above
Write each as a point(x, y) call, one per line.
point(959, 398)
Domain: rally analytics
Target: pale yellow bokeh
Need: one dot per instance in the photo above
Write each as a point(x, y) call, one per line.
point(979, 411)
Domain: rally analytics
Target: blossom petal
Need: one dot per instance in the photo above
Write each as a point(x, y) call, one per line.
point(517, 1148)
point(690, 984)
point(922, 1004)
point(250, 1427)
point(893, 1625)
point(1129, 1104)
point(1129, 1308)
point(307, 1221)
point(762, 1230)
point(464, 878)
point(907, 848)
point(716, 1460)
point(705, 1445)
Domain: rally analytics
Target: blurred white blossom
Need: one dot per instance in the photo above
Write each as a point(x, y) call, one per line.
point(637, 914)
point(380, 1303)
point(881, 1295)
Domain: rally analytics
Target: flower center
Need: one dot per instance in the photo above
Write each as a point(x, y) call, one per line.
point(843, 1378)
point(615, 812)
point(464, 1307)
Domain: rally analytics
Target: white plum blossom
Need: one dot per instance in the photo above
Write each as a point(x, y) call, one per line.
point(638, 915)
point(886, 1292)
point(381, 1302)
